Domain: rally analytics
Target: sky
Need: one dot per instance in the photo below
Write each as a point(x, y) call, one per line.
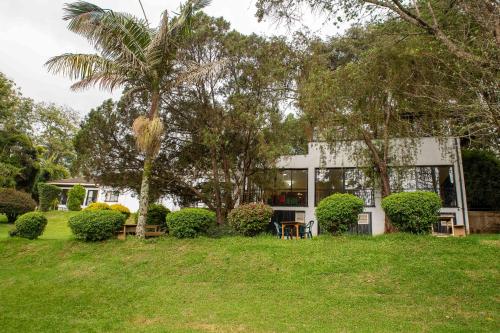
point(32, 31)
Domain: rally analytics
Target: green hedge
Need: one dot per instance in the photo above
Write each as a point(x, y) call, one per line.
point(413, 212)
point(30, 225)
point(120, 208)
point(338, 212)
point(250, 219)
point(190, 222)
point(76, 196)
point(14, 203)
point(96, 225)
point(97, 206)
point(47, 194)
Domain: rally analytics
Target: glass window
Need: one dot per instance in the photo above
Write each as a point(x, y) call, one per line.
point(111, 196)
point(351, 180)
point(91, 197)
point(288, 187)
point(438, 179)
point(328, 181)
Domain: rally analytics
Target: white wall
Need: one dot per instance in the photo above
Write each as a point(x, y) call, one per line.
point(431, 152)
point(130, 199)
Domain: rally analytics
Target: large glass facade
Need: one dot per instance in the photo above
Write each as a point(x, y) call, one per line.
point(438, 179)
point(285, 187)
point(346, 180)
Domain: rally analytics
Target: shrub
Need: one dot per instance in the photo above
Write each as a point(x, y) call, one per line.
point(47, 195)
point(76, 196)
point(30, 225)
point(413, 212)
point(250, 219)
point(14, 203)
point(97, 206)
point(190, 222)
point(338, 211)
point(157, 214)
point(96, 225)
point(121, 208)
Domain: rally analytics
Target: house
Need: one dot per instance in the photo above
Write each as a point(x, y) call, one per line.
point(301, 181)
point(99, 193)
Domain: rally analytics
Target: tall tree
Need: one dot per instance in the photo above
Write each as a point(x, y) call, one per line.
point(132, 54)
point(233, 120)
point(462, 37)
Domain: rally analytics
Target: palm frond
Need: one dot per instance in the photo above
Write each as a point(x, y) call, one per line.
point(79, 66)
point(195, 72)
point(90, 70)
point(114, 34)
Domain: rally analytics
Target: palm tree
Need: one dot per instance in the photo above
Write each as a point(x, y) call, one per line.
point(131, 54)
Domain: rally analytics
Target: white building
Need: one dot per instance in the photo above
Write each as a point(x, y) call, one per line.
point(99, 193)
point(303, 180)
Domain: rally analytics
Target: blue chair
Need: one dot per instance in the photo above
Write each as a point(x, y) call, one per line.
point(278, 231)
point(306, 231)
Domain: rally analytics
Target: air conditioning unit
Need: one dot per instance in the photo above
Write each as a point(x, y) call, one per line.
point(364, 218)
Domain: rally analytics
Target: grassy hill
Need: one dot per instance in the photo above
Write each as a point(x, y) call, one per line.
point(391, 283)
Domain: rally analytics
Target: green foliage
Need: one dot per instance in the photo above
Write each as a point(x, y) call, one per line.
point(121, 208)
point(482, 179)
point(413, 212)
point(250, 219)
point(14, 203)
point(190, 222)
point(47, 193)
point(97, 206)
point(338, 212)
point(30, 225)
point(18, 160)
point(96, 225)
point(76, 196)
point(157, 214)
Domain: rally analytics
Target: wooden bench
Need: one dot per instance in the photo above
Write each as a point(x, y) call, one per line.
point(152, 230)
point(448, 222)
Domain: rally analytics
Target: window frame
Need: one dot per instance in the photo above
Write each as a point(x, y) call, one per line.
point(343, 185)
point(114, 196)
point(415, 169)
point(274, 189)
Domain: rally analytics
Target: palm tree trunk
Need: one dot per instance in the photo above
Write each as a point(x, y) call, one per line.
point(146, 174)
point(144, 198)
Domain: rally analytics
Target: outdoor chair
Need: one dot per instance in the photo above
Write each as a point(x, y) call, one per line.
point(278, 231)
point(306, 231)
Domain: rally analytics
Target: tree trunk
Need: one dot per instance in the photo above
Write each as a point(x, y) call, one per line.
point(144, 198)
point(146, 174)
point(386, 190)
point(218, 199)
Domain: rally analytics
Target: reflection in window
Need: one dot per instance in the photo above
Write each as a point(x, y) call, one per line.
point(111, 196)
point(438, 179)
point(287, 187)
point(354, 181)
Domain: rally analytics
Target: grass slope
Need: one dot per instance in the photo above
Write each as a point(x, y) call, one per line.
point(391, 283)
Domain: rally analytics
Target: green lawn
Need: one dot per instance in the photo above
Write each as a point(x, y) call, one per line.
point(393, 283)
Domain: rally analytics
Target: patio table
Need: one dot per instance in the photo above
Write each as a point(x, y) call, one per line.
point(297, 225)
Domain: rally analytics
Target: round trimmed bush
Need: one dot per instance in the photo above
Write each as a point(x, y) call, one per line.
point(97, 206)
point(76, 196)
point(157, 214)
point(47, 195)
point(96, 225)
point(30, 225)
point(413, 212)
point(14, 203)
point(338, 212)
point(121, 208)
point(190, 222)
point(250, 219)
